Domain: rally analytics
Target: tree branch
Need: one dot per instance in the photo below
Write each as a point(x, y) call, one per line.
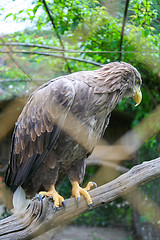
point(40, 217)
point(57, 49)
point(58, 36)
point(123, 25)
point(55, 55)
point(9, 52)
point(22, 80)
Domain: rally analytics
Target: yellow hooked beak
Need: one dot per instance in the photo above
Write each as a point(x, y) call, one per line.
point(137, 95)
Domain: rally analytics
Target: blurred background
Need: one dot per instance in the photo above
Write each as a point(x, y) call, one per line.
point(41, 40)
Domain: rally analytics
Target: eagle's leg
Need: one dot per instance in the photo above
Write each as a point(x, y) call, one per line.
point(58, 199)
point(77, 191)
point(76, 175)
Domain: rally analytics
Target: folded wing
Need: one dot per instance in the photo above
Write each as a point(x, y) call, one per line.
point(37, 129)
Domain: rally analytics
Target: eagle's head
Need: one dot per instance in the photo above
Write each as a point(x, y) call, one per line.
point(120, 77)
point(134, 82)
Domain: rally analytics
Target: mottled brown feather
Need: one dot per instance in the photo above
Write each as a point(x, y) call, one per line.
point(42, 152)
point(34, 122)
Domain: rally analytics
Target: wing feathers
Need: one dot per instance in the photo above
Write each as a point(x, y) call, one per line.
point(37, 129)
point(33, 135)
point(40, 144)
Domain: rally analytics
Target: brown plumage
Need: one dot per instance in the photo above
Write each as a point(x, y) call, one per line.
point(42, 153)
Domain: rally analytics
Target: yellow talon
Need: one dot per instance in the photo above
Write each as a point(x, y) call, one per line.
point(58, 199)
point(77, 191)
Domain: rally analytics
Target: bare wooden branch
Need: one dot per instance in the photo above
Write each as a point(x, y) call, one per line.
point(23, 80)
point(55, 55)
point(123, 25)
point(40, 217)
point(10, 54)
point(57, 33)
point(95, 161)
point(33, 45)
point(57, 49)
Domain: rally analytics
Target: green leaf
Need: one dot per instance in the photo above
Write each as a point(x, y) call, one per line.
point(37, 7)
point(8, 15)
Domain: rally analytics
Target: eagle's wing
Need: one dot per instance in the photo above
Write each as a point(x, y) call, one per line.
point(38, 128)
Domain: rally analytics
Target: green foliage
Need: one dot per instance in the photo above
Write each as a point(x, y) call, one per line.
point(5, 214)
point(117, 213)
point(66, 14)
point(144, 14)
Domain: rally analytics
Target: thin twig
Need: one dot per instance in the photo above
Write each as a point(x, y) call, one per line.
point(22, 80)
point(56, 55)
point(58, 36)
point(14, 60)
point(33, 45)
point(123, 25)
point(71, 50)
point(95, 161)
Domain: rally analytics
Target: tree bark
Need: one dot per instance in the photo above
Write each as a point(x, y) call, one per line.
point(40, 217)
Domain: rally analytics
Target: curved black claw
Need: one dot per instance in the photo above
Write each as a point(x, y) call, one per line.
point(64, 204)
point(55, 209)
point(90, 206)
point(39, 197)
point(77, 201)
point(95, 184)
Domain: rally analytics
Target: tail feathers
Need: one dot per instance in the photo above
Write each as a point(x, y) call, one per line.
point(19, 200)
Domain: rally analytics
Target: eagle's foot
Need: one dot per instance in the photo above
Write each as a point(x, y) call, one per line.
point(58, 199)
point(77, 191)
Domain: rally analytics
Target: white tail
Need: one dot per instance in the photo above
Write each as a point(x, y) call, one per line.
point(19, 200)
